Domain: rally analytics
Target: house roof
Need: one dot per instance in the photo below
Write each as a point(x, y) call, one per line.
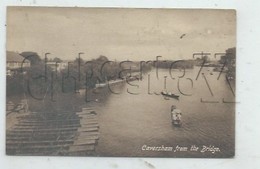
point(14, 57)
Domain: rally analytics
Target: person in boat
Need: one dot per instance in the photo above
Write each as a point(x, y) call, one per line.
point(173, 107)
point(176, 114)
point(178, 117)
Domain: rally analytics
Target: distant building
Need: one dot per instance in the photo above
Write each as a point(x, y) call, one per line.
point(59, 66)
point(14, 63)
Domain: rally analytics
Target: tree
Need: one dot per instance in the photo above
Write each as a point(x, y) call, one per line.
point(229, 59)
point(102, 59)
point(56, 59)
point(33, 57)
point(205, 58)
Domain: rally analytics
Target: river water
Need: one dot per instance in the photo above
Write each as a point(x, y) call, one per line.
point(130, 122)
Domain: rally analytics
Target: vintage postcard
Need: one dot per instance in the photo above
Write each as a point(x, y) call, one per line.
point(120, 82)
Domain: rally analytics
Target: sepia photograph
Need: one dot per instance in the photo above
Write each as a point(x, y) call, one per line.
point(120, 82)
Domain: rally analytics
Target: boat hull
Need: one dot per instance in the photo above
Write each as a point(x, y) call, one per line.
point(171, 95)
point(176, 123)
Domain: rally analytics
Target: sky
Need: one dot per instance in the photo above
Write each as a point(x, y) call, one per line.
point(119, 33)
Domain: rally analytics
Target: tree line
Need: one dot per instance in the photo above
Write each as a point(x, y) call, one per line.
point(41, 79)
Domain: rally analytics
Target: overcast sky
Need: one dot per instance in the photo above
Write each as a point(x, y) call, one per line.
point(134, 34)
